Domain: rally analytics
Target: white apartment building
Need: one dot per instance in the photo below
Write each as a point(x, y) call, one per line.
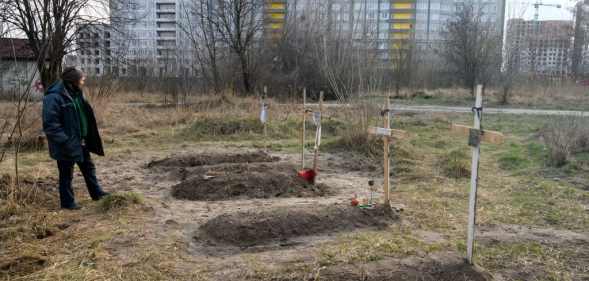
point(432, 15)
point(143, 39)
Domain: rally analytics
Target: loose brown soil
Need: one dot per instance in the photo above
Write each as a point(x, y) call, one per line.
point(21, 266)
point(194, 160)
point(277, 225)
point(256, 180)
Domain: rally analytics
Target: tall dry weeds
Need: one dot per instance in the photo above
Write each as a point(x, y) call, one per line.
point(565, 136)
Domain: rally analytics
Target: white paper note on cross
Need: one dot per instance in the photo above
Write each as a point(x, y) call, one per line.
point(475, 136)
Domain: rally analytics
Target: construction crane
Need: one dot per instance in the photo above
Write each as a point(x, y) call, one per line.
point(537, 8)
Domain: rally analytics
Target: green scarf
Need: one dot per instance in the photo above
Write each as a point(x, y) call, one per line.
point(79, 106)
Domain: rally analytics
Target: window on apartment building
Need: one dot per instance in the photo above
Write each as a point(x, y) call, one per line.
point(97, 53)
point(97, 61)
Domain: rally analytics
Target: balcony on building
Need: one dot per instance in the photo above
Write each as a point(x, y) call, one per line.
point(165, 7)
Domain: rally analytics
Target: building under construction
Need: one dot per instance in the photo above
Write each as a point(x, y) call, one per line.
point(540, 48)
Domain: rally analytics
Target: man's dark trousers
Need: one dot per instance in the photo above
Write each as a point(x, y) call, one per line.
point(66, 174)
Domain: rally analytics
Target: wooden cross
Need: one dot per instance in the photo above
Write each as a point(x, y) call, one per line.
point(304, 128)
point(318, 134)
point(475, 136)
point(264, 116)
point(387, 134)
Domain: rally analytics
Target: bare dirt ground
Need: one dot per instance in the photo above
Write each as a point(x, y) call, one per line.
point(177, 224)
point(177, 229)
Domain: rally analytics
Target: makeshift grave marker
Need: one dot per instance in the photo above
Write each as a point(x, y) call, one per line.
point(304, 128)
point(264, 116)
point(476, 135)
point(317, 120)
point(310, 174)
point(387, 134)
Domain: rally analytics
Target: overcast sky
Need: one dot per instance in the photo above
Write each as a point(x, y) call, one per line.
point(525, 9)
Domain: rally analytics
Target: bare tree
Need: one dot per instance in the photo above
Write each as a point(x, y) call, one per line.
point(471, 46)
point(402, 63)
point(239, 23)
point(200, 28)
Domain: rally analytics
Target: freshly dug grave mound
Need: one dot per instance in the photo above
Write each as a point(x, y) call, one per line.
point(194, 160)
point(277, 225)
point(256, 180)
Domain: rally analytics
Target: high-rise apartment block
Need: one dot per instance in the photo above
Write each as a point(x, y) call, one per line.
point(143, 39)
point(382, 24)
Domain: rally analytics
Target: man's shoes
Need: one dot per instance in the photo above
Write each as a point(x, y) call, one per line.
point(104, 194)
point(72, 207)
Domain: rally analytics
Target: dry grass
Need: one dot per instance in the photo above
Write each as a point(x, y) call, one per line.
point(565, 136)
point(126, 245)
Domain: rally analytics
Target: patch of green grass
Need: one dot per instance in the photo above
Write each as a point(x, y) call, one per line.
point(117, 201)
point(540, 262)
point(373, 246)
point(251, 128)
point(518, 156)
point(542, 203)
point(455, 164)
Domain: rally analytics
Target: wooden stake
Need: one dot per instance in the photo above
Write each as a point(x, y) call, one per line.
point(304, 128)
point(386, 160)
point(265, 123)
point(316, 155)
point(472, 204)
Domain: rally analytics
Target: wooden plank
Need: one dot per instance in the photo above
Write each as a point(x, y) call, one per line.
point(474, 178)
point(316, 155)
point(386, 160)
point(488, 136)
point(304, 129)
point(394, 133)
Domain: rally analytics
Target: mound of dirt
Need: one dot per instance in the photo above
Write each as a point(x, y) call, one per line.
point(22, 266)
point(194, 160)
point(256, 180)
point(277, 225)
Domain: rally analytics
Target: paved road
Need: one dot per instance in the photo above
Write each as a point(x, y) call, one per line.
point(489, 110)
point(450, 109)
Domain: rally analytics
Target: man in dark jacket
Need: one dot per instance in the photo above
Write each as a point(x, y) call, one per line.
point(70, 126)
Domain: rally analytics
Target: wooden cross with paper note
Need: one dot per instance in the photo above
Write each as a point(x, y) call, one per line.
point(476, 135)
point(387, 134)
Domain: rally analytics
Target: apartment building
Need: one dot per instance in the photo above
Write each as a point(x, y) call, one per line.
point(144, 38)
point(381, 24)
point(540, 48)
point(432, 15)
point(376, 25)
point(94, 49)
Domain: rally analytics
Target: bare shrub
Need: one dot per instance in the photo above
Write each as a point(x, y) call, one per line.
point(565, 136)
